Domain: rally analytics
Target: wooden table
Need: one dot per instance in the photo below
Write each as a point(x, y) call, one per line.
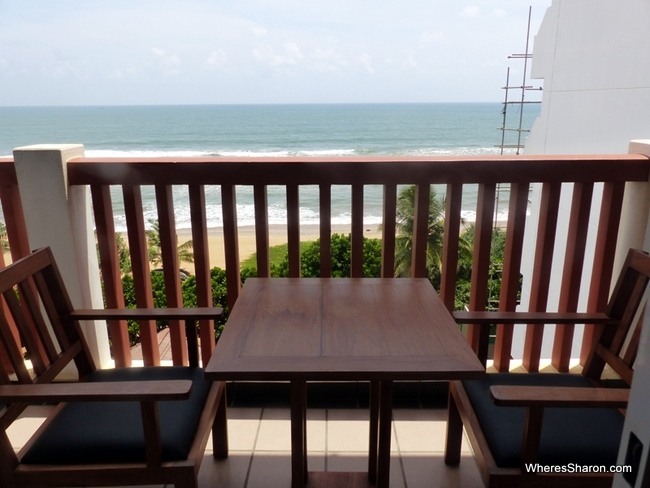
point(334, 329)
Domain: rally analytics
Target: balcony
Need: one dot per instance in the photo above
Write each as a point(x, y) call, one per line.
point(569, 220)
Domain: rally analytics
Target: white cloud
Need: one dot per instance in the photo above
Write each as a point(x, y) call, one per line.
point(170, 62)
point(288, 54)
point(471, 11)
point(260, 31)
point(327, 61)
point(217, 58)
point(137, 43)
point(365, 61)
point(431, 37)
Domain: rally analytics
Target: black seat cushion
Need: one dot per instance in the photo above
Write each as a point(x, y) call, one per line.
point(111, 432)
point(584, 436)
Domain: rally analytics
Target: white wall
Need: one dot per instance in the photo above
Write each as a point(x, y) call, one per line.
point(593, 57)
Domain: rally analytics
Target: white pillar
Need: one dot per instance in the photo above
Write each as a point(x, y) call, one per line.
point(636, 419)
point(60, 217)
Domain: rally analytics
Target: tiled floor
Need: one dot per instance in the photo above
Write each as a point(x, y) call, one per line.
point(337, 441)
point(259, 441)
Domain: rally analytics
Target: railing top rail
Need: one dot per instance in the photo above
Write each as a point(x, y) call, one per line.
point(361, 170)
point(7, 171)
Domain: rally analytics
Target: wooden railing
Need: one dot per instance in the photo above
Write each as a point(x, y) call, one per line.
point(12, 213)
point(577, 175)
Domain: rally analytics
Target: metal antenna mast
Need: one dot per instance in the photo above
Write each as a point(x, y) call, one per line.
point(519, 129)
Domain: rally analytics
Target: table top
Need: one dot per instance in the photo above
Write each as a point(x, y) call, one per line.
point(341, 329)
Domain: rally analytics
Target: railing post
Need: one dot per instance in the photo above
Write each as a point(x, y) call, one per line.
point(60, 216)
point(636, 210)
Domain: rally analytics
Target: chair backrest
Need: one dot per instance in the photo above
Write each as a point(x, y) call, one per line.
point(37, 337)
point(617, 343)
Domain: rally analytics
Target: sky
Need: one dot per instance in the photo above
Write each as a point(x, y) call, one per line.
point(142, 52)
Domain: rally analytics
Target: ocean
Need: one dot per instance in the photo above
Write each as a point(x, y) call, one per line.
point(266, 130)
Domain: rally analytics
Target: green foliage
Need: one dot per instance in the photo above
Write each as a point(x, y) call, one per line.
point(341, 248)
point(4, 237)
point(276, 254)
point(154, 246)
point(464, 275)
point(189, 295)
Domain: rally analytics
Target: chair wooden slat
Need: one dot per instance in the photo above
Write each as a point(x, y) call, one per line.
point(28, 332)
point(12, 349)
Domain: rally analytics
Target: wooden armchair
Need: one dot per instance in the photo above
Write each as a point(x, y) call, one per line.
point(562, 421)
point(129, 426)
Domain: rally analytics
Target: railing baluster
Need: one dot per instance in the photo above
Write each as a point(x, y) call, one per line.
point(511, 271)
point(12, 210)
point(389, 231)
point(356, 253)
point(325, 229)
point(141, 272)
point(420, 239)
point(572, 274)
point(260, 201)
point(200, 248)
point(541, 279)
point(603, 269)
point(109, 263)
point(478, 336)
point(171, 269)
point(293, 230)
point(231, 242)
point(450, 247)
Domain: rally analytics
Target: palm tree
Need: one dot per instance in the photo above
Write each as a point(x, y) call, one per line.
point(154, 246)
point(154, 249)
point(405, 225)
point(435, 234)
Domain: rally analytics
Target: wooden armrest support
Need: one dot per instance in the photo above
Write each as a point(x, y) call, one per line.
point(559, 396)
point(196, 313)
point(487, 318)
point(100, 391)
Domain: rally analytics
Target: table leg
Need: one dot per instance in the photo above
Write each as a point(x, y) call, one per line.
point(374, 431)
point(385, 426)
point(298, 434)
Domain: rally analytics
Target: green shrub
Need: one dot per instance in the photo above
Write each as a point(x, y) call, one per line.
point(341, 248)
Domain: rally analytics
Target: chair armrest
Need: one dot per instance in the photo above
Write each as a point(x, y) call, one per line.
point(559, 396)
point(196, 313)
point(140, 391)
point(463, 317)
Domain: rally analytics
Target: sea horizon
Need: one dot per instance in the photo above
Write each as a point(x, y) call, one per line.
point(250, 130)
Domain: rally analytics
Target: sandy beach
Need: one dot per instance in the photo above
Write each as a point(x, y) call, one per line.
point(277, 235)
